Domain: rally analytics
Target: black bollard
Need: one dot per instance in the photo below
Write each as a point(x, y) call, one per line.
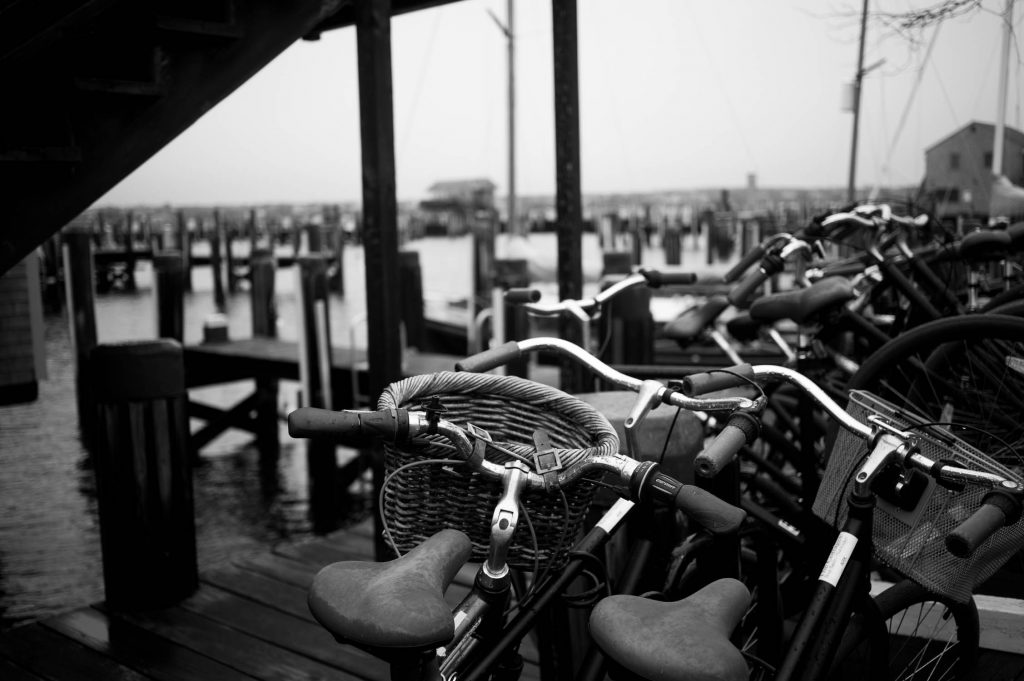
point(143, 476)
point(169, 290)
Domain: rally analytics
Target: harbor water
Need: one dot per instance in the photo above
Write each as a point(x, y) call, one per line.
point(49, 536)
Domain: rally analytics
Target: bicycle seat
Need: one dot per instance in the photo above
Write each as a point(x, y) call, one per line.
point(397, 604)
point(743, 328)
point(802, 304)
point(686, 639)
point(1016, 234)
point(984, 245)
point(688, 326)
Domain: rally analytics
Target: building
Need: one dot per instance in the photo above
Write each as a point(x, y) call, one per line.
point(958, 169)
point(455, 205)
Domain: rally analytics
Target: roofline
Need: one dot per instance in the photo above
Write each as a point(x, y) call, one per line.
point(1009, 130)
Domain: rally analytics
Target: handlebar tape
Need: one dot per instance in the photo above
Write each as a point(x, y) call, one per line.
point(737, 270)
point(656, 279)
point(489, 359)
point(522, 295)
point(715, 515)
point(998, 508)
point(742, 429)
point(351, 428)
point(705, 382)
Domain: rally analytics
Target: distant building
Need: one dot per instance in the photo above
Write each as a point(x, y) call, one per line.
point(454, 205)
point(958, 169)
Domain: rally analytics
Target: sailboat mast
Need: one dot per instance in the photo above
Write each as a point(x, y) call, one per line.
point(1004, 61)
point(510, 29)
point(851, 188)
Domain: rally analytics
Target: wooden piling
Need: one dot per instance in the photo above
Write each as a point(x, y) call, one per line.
point(169, 291)
point(617, 262)
point(264, 324)
point(79, 281)
point(626, 330)
point(325, 497)
point(410, 299)
point(185, 245)
point(514, 274)
point(216, 270)
point(143, 476)
point(672, 242)
point(129, 252)
point(229, 258)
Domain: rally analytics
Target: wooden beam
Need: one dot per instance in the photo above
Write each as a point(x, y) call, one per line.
point(380, 205)
point(568, 193)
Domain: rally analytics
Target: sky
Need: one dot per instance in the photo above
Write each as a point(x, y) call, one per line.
point(674, 94)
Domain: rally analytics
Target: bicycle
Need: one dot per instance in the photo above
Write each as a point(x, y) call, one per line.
point(365, 604)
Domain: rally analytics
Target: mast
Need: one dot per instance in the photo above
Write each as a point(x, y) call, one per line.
point(851, 187)
point(512, 224)
point(1000, 134)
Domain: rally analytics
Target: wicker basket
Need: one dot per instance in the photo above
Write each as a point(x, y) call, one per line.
point(423, 499)
point(914, 542)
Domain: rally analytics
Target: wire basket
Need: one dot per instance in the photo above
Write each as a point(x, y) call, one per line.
point(913, 542)
point(420, 500)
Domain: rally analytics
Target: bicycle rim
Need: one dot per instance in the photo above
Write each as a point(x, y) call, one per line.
point(930, 637)
point(962, 370)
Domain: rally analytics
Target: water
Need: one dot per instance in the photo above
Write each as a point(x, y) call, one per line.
point(49, 536)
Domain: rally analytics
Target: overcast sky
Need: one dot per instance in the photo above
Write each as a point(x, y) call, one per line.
point(673, 94)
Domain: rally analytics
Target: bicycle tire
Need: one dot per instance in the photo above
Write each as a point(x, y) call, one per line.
point(955, 370)
point(930, 636)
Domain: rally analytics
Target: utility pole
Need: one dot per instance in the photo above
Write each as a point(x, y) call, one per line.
point(851, 187)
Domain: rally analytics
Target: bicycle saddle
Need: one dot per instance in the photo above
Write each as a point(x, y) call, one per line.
point(397, 604)
point(743, 328)
point(685, 328)
point(802, 304)
point(984, 245)
point(686, 639)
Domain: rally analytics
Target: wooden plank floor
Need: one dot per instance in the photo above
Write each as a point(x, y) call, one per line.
point(248, 620)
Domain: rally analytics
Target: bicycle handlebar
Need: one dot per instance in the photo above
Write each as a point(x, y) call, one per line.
point(998, 508)
point(742, 429)
point(644, 276)
point(643, 480)
point(704, 382)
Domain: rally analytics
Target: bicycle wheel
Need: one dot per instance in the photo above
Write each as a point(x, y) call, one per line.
point(966, 371)
point(930, 636)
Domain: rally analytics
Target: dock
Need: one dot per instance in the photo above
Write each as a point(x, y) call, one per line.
point(248, 620)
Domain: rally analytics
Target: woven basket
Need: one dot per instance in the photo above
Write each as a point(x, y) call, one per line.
point(914, 543)
point(423, 499)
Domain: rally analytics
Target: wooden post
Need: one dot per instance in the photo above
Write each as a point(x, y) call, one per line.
point(627, 327)
point(410, 296)
point(568, 191)
point(229, 258)
point(325, 498)
point(219, 300)
point(143, 476)
point(169, 291)
point(514, 274)
point(314, 238)
point(380, 207)
point(264, 325)
point(185, 244)
point(637, 245)
point(338, 275)
point(129, 253)
point(673, 244)
point(79, 281)
point(617, 262)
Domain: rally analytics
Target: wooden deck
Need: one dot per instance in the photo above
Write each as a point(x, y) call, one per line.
point(248, 620)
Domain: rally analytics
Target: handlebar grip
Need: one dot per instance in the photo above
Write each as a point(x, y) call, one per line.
point(737, 270)
point(742, 291)
point(997, 509)
point(351, 428)
point(656, 278)
point(715, 515)
point(709, 381)
point(742, 429)
point(491, 358)
point(522, 295)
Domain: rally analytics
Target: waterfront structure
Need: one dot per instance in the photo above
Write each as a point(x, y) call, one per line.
point(958, 169)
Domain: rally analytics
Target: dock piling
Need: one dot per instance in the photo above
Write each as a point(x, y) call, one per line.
point(410, 299)
point(215, 264)
point(169, 291)
point(79, 280)
point(264, 324)
point(143, 476)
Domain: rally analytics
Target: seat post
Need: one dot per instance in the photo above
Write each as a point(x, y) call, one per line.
point(414, 665)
